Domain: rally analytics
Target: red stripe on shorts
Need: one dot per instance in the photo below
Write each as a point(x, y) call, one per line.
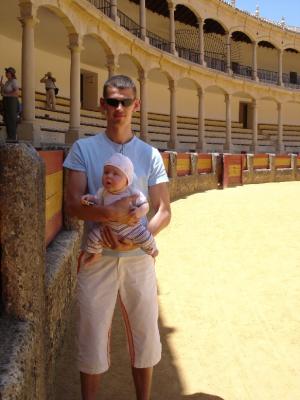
point(128, 331)
point(79, 261)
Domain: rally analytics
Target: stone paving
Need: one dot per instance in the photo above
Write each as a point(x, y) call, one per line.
point(229, 294)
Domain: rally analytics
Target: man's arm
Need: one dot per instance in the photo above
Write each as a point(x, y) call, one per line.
point(77, 187)
point(160, 201)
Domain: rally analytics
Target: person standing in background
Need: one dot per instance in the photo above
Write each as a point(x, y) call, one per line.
point(49, 82)
point(10, 93)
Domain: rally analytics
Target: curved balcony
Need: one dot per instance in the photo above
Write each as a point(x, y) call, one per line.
point(188, 47)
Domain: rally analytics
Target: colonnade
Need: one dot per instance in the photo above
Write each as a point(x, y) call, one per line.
point(30, 130)
point(172, 7)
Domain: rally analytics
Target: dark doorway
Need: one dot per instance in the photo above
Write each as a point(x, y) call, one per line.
point(244, 114)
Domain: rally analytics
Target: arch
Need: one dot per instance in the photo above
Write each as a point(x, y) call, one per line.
point(291, 48)
point(66, 21)
point(212, 25)
point(214, 88)
point(103, 43)
point(133, 59)
point(185, 15)
point(239, 36)
point(292, 101)
point(242, 30)
point(263, 42)
point(243, 94)
point(192, 83)
point(180, 6)
point(269, 98)
point(163, 72)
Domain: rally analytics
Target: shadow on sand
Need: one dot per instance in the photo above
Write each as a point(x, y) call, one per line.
point(117, 383)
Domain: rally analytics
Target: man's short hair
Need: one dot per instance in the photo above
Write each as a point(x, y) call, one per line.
point(119, 82)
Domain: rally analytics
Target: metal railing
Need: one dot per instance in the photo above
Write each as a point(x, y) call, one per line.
point(291, 82)
point(158, 42)
point(102, 5)
point(267, 76)
point(215, 60)
point(242, 70)
point(129, 24)
point(189, 54)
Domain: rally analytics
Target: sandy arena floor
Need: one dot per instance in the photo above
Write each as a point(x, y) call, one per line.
point(229, 294)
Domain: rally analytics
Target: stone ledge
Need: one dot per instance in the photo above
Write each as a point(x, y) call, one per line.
point(61, 273)
point(17, 359)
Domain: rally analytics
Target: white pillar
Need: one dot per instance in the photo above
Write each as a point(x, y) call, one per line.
point(201, 145)
point(201, 41)
point(173, 143)
point(280, 54)
point(280, 145)
point(114, 10)
point(172, 27)
point(144, 106)
point(111, 65)
point(254, 60)
point(143, 19)
point(228, 55)
point(28, 129)
point(74, 128)
point(228, 143)
point(254, 126)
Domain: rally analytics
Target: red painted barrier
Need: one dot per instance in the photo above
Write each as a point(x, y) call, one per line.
point(183, 164)
point(261, 161)
point(166, 160)
point(54, 192)
point(232, 170)
point(204, 163)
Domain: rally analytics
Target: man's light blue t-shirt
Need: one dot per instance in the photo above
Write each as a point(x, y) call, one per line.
point(89, 155)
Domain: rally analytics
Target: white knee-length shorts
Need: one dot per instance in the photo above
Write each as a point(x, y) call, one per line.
point(132, 279)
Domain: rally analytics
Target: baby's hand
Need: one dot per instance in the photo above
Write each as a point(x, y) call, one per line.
point(89, 200)
point(90, 258)
point(134, 216)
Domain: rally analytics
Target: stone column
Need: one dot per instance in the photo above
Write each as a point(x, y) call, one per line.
point(74, 128)
point(280, 145)
point(28, 130)
point(228, 144)
point(172, 27)
point(200, 146)
point(23, 261)
point(143, 19)
point(254, 126)
point(201, 42)
point(111, 65)
point(144, 106)
point(228, 55)
point(114, 10)
point(173, 143)
point(280, 69)
point(254, 64)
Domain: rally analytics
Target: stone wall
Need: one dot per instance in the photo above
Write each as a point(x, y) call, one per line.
point(271, 174)
point(37, 283)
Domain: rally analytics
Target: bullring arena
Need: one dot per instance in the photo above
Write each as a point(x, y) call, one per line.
point(220, 91)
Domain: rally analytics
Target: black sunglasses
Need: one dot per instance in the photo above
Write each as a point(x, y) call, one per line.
point(116, 102)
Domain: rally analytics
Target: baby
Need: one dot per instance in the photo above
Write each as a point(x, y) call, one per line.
point(116, 180)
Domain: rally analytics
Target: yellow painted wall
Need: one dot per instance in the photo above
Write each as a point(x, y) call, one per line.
point(187, 100)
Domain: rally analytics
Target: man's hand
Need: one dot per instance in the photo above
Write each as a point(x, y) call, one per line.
point(89, 200)
point(114, 242)
point(120, 210)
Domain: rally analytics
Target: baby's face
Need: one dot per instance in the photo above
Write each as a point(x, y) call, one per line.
point(113, 179)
